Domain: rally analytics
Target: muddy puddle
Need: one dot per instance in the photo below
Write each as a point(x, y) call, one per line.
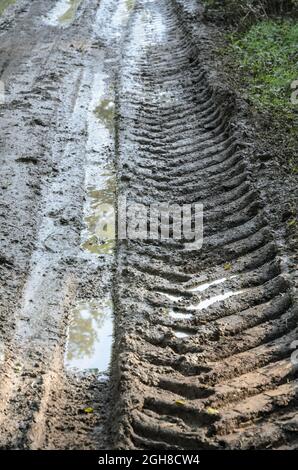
point(98, 236)
point(212, 300)
point(176, 313)
point(130, 4)
point(105, 112)
point(182, 334)
point(179, 316)
point(5, 4)
point(90, 336)
point(63, 13)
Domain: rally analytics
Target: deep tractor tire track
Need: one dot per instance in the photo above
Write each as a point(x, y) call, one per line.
point(230, 382)
point(202, 349)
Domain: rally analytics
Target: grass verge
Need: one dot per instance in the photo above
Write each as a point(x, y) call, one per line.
point(264, 62)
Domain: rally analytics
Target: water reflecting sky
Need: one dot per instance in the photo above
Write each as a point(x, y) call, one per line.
point(90, 335)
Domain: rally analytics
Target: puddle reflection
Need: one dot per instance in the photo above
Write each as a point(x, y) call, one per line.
point(99, 235)
point(70, 13)
point(182, 334)
point(63, 13)
point(130, 4)
point(90, 335)
point(4, 4)
point(105, 111)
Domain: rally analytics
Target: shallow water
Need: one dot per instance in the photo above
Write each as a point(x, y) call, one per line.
point(105, 112)
point(90, 336)
point(130, 4)
point(63, 13)
point(206, 285)
point(182, 334)
point(70, 13)
point(98, 237)
point(99, 234)
point(212, 300)
point(179, 316)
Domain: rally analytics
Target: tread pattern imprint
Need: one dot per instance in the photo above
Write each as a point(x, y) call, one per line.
point(203, 336)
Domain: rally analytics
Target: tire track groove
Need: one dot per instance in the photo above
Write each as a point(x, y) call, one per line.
point(203, 336)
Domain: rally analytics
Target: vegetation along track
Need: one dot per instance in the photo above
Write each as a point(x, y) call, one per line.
point(203, 336)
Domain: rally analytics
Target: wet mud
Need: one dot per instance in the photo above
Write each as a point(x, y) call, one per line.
point(134, 344)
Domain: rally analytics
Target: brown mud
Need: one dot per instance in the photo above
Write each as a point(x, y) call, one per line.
point(122, 97)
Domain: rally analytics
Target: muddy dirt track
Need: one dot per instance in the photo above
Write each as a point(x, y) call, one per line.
point(202, 337)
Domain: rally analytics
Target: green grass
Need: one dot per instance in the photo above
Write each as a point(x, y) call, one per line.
point(263, 63)
point(267, 56)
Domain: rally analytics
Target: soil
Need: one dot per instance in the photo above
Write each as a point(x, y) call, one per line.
point(203, 338)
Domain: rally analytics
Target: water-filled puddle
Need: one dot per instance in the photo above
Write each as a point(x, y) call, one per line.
point(173, 313)
point(105, 111)
point(130, 4)
point(212, 300)
point(98, 237)
point(70, 13)
point(99, 234)
point(4, 4)
point(205, 286)
point(63, 13)
point(203, 304)
point(90, 335)
point(182, 334)
point(179, 316)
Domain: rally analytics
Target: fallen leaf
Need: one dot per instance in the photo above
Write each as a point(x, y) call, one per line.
point(212, 411)
point(180, 402)
point(227, 266)
point(88, 410)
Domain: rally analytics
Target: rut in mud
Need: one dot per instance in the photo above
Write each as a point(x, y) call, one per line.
point(53, 71)
point(203, 335)
point(107, 98)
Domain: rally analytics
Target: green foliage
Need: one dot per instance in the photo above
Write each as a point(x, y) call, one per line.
point(267, 55)
point(261, 58)
point(263, 63)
